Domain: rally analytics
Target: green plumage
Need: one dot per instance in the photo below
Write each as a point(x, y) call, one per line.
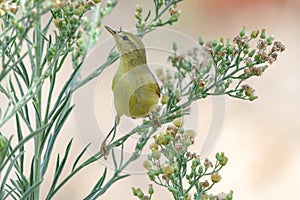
point(135, 89)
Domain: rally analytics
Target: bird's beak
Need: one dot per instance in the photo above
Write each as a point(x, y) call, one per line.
point(110, 30)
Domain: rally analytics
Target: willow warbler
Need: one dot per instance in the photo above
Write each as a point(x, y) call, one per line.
point(135, 89)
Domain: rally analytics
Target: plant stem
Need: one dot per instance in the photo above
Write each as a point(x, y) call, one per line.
point(37, 102)
point(111, 59)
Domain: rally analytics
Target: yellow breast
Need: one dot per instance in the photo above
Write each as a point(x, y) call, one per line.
point(136, 92)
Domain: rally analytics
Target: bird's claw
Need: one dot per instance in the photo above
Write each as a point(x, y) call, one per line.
point(103, 150)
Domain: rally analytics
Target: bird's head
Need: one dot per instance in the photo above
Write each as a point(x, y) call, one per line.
point(127, 43)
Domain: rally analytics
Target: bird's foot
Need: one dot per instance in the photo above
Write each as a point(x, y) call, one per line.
point(103, 150)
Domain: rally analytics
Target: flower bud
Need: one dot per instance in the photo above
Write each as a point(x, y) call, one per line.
point(219, 47)
point(229, 196)
point(181, 130)
point(239, 93)
point(251, 53)
point(153, 146)
point(57, 4)
point(201, 40)
point(109, 3)
point(270, 40)
point(150, 189)
point(254, 33)
point(264, 67)
point(156, 155)
point(151, 175)
point(178, 122)
point(57, 22)
point(249, 64)
point(195, 163)
point(263, 34)
point(157, 171)
point(161, 140)
point(214, 42)
point(190, 134)
point(215, 177)
point(200, 169)
point(134, 191)
point(223, 159)
point(252, 98)
point(247, 71)
point(204, 184)
point(80, 10)
point(138, 8)
point(168, 170)
point(146, 197)
point(242, 31)
point(138, 16)
point(147, 165)
point(174, 46)
point(139, 193)
point(178, 146)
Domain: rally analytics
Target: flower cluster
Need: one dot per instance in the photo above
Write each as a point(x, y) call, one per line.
point(68, 16)
point(71, 21)
point(172, 166)
point(266, 49)
point(217, 68)
point(140, 194)
point(226, 65)
point(144, 24)
point(8, 7)
point(221, 196)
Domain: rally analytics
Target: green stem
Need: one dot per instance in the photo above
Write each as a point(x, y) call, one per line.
point(222, 79)
point(180, 176)
point(37, 102)
point(116, 175)
point(28, 96)
point(165, 9)
point(111, 59)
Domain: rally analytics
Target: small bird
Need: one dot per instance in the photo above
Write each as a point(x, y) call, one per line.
point(136, 92)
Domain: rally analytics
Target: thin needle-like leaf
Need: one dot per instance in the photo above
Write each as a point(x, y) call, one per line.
point(79, 156)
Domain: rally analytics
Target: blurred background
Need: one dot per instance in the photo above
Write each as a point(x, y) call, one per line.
point(261, 138)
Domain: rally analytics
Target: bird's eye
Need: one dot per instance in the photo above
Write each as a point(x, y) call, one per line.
point(125, 37)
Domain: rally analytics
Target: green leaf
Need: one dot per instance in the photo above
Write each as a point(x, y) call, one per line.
point(79, 156)
point(20, 138)
point(54, 121)
point(21, 144)
point(101, 180)
point(8, 170)
point(9, 68)
point(59, 168)
point(114, 159)
point(16, 188)
point(11, 193)
point(22, 181)
point(26, 195)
